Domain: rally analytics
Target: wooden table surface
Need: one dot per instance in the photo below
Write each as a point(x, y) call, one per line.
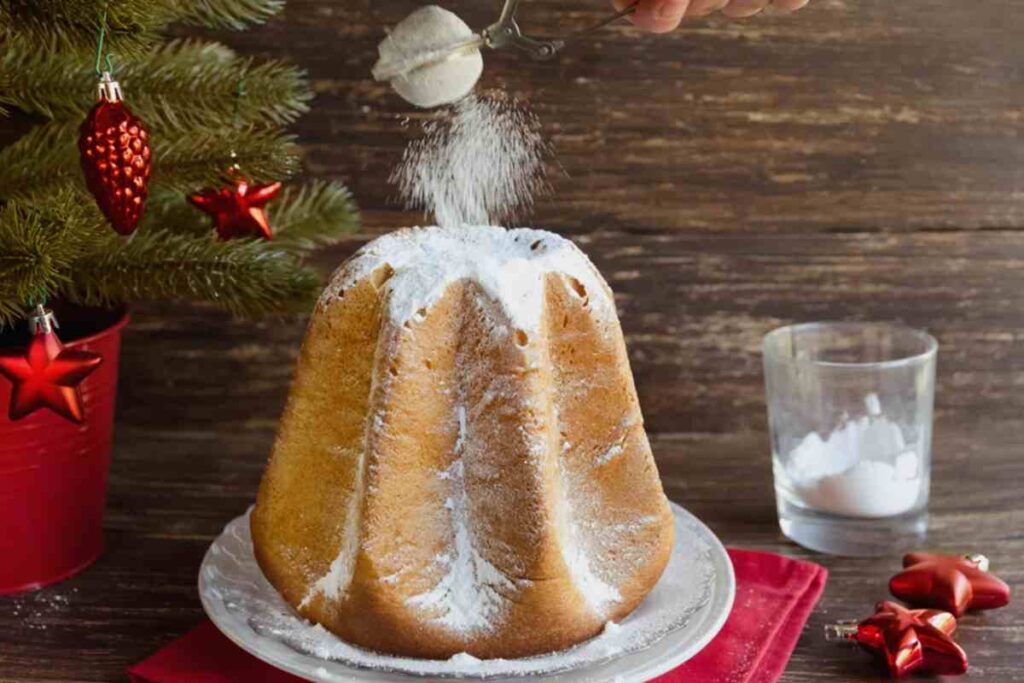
point(862, 159)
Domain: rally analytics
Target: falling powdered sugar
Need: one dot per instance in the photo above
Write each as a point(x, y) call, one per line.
point(480, 163)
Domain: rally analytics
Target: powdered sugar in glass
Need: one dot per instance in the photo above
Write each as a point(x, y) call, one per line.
point(850, 415)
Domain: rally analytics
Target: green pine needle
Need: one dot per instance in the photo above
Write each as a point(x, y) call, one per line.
point(313, 215)
point(132, 25)
point(194, 159)
point(72, 25)
point(248, 277)
point(185, 83)
point(25, 267)
point(39, 245)
point(236, 14)
point(169, 210)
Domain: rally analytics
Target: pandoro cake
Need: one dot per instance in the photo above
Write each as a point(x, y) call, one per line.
point(462, 464)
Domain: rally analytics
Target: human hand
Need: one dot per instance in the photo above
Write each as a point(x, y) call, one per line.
point(660, 16)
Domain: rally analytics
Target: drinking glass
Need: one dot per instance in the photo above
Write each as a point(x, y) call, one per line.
point(850, 415)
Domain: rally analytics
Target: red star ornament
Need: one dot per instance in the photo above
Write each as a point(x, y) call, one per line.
point(238, 211)
point(47, 375)
point(910, 641)
point(953, 583)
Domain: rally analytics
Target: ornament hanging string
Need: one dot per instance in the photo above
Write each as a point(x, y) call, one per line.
point(37, 299)
point(240, 92)
point(107, 59)
point(237, 209)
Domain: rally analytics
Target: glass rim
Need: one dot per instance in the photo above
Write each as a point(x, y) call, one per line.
point(931, 345)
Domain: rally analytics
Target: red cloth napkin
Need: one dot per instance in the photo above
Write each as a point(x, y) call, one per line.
point(774, 597)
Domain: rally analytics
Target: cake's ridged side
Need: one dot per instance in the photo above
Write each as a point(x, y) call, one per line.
point(458, 553)
point(410, 441)
point(316, 458)
point(618, 514)
point(508, 483)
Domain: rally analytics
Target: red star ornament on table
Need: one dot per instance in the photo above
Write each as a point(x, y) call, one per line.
point(116, 159)
point(910, 641)
point(238, 211)
point(47, 375)
point(950, 582)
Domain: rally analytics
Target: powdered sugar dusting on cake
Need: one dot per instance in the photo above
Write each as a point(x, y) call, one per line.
point(617, 447)
point(598, 593)
point(469, 595)
point(510, 266)
point(335, 582)
point(614, 451)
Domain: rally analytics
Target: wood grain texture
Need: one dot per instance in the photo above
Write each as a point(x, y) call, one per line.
point(848, 115)
point(861, 159)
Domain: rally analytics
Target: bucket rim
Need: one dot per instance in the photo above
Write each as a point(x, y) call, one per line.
point(112, 328)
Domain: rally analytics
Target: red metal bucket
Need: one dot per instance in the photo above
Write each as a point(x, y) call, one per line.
point(53, 473)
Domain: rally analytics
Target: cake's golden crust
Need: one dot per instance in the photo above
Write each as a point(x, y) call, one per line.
point(383, 412)
point(321, 434)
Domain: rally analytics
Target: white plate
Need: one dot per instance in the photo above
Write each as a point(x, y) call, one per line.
point(679, 617)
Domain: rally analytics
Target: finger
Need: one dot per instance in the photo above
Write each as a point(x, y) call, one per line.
point(700, 8)
point(789, 5)
point(660, 16)
point(737, 9)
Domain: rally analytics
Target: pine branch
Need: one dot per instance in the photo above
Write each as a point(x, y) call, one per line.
point(6, 86)
point(132, 25)
point(63, 246)
point(72, 25)
point(232, 14)
point(25, 269)
point(38, 245)
point(190, 160)
point(313, 215)
point(185, 159)
point(303, 218)
point(185, 83)
point(167, 210)
point(247, 277)
point(43, 155)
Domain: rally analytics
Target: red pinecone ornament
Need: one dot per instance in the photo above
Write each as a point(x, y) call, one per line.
point(116, 158)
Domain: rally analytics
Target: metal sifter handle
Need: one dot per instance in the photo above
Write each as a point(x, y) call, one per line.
point(506, 32)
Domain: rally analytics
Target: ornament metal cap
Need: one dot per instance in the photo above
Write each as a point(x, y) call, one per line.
point(840, 631)
point(108, 89)
point(978, 560)
point(43, 321)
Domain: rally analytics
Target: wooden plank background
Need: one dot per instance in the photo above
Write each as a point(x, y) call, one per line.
point(861, 159)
